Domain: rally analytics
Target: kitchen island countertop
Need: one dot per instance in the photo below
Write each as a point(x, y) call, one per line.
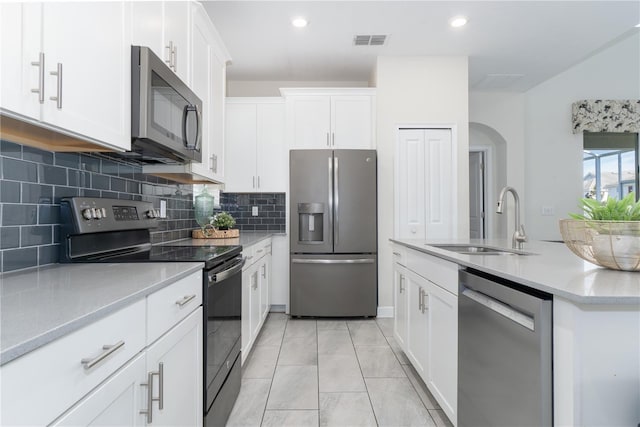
point(42, 304)
point(551, 268)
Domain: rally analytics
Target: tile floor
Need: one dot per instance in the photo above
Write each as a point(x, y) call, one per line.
point(331, 373)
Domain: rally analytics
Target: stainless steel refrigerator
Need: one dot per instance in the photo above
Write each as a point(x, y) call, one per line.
point(333, 222)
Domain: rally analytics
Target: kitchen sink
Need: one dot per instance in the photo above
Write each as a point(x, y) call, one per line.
point(477, 249)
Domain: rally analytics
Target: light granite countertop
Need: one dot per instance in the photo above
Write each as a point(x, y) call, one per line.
point(551, 267)
point(42, 304)
point(246, 239)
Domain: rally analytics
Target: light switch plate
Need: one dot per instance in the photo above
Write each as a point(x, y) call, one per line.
point(254, 211)
point(548, 211)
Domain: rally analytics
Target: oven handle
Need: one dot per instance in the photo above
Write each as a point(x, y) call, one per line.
point(218, 277)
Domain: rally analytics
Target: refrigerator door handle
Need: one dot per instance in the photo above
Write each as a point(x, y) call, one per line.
point(333, 261)
point(336, 199)
point(330, 201)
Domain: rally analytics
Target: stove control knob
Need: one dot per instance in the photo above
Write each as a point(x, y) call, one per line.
point(151, 214)
point(98, 213)
point(104, 212)
point(87, 213)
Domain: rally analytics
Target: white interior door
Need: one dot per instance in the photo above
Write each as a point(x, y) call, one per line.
point(476, 195)
point(410, 180)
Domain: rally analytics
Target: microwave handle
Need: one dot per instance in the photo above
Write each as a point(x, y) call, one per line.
point(196, 143)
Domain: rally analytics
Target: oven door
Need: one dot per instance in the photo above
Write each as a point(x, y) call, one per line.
point(222, 325)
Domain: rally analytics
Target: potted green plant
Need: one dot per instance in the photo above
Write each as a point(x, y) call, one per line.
point(607, 233)
point(223, 221)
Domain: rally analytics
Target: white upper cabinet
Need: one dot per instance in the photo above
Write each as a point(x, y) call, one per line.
point(70, 68)
point(255, 150)
point(163, 26)
point(424, 184)
point(330, 118)
point(206, 75)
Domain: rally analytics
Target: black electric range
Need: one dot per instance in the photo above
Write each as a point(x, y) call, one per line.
point(96, 230)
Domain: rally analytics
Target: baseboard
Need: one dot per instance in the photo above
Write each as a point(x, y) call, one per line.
point(385, 311)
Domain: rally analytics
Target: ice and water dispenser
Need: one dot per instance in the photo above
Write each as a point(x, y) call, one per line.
point(310, 222)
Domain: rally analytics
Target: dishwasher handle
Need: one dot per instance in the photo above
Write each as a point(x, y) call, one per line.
point(501, 308)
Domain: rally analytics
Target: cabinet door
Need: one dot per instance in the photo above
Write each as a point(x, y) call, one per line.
point(442, 371)
point(217, 115)
point(418, 325)
point(201, 85)
point(271, 156)
point(177, 359)
point(114, 403)
point(177, 21)
point(400, 295)
point(246, 311)
point(240, 153)
point(265, 288)
point(255, 301)
point(310, 121)
point(20, 32)
point(90, 44)
point(351, 122)
point(147, 28)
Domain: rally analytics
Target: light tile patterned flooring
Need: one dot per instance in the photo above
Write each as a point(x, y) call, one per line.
point(331, 373)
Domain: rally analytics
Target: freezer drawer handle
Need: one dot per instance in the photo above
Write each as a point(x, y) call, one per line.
point(501, 308)
point(333, 261)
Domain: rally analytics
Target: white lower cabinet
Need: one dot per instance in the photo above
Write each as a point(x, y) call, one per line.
point(100, 374)
point(256, 290)
point(426, 322)
point(174, 367)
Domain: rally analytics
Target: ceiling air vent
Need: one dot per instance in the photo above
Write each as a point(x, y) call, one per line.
point(366, 40)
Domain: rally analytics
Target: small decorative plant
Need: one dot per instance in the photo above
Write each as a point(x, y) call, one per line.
point(223, 221)
point(626, 209)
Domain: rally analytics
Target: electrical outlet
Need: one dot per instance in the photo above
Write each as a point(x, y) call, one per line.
point(548, 211)
point(254, 211)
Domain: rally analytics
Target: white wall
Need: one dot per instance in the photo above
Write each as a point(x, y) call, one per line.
point(272, 88)
point(504, 114)
point(417, 90)
point(553, 172)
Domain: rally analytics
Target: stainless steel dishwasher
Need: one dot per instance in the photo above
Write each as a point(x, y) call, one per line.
point(504, 353)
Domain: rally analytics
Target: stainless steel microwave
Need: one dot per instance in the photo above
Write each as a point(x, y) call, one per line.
point(166, 116)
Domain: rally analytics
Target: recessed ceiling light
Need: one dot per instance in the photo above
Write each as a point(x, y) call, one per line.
point(299, 22)
point(458, 21)
point(638, 26)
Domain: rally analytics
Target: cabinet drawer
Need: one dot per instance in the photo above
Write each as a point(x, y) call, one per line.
point(262, 248)
point(39, 386)
point(247, 252)
point(168, 306)
point(442, 273)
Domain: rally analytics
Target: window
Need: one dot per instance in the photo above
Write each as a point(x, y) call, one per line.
point(610, 165)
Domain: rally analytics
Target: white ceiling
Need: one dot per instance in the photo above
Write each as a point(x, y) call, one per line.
point(536, 39)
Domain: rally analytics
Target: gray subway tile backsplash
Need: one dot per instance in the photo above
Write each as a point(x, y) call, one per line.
point(271, 210)
point(33, 181)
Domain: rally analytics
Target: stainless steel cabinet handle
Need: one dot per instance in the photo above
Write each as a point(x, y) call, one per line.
point(420, 299)
point(185, 299)
point(40, 90)
point(150, 398)
point(215, 163)
point(149, 384)
point(397, 253)
point(401, 282)
point(161, 385)
point(336, 196)
point(108, 350)
point(58, 97)
point(333, 139)
point(174, 57)
point(259, 251)
point(264, 271)
point(258, 181)
point(425, 296)
point(170, 60)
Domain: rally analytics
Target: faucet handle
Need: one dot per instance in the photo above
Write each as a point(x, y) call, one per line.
point(522, 236)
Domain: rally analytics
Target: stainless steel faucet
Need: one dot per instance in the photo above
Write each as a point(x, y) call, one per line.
point(519, 236)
